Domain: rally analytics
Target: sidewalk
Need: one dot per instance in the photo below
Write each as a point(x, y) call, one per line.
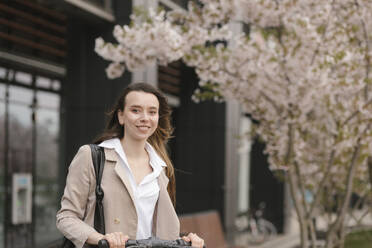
point(280, 241)
point(292, 239)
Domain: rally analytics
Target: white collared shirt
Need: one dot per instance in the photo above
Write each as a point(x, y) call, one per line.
point(146, 193)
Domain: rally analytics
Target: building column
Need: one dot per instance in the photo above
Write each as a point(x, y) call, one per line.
point(231, 167)
point(150, 73)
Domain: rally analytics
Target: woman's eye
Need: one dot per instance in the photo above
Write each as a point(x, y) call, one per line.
point(135, 110)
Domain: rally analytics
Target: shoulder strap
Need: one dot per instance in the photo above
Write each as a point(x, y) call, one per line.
point(98, 158)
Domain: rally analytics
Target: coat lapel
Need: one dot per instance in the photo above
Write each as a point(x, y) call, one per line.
point(167, 224)
point(123, 176)
point(119, 170)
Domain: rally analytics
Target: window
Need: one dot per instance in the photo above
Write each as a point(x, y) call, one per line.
point(29, 116)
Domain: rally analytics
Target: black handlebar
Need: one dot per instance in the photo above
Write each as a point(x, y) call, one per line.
point(103, 244)
point(150, 243)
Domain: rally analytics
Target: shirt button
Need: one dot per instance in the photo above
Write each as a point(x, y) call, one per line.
point(116, 221)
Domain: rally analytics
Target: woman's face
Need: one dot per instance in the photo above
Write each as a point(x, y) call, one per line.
point(140, 116)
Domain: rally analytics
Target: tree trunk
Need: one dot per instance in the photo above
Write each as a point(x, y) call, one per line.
point(336, 239)
point(304, 231)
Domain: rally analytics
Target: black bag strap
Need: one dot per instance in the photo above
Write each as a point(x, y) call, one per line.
point(98, 157)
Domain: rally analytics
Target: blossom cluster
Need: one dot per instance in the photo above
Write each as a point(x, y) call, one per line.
point(302, 70)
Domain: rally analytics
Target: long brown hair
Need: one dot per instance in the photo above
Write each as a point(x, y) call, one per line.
point(158, 139)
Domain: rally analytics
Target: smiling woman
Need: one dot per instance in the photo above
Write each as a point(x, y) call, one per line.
point(138, 177)
point(140, 116)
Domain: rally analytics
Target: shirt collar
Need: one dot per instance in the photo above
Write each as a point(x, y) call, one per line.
point(154, 156)
point(155, 160)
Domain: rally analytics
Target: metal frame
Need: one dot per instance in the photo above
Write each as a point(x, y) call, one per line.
point(171, 4)
point(105, 13)
point(54, 69)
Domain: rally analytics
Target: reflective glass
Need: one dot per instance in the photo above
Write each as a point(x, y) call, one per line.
point(20, 128)
point(20, 153)
point(56, 85)
point(23, 77)
point(43, 82)
point(32, 116)
point(2, 72)
point(47, 133)
point(10, 75)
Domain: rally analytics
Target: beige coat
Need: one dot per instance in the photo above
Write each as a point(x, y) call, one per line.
point(76, 217)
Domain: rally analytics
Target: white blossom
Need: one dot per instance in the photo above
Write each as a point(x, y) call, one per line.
point(114, 70)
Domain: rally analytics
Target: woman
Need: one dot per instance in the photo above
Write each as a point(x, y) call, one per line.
point(138, 178)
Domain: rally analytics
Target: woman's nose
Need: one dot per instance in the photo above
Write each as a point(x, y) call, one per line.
point(144, 116)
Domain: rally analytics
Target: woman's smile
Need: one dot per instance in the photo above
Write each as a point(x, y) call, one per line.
point(143, 127)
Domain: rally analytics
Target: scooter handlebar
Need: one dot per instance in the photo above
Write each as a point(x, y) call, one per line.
point(103, 243)
point(150, 242)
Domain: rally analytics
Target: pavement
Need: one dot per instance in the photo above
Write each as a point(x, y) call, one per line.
point(292, 238)
point(279, 241)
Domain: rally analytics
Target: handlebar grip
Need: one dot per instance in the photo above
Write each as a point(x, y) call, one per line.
point(183, 242)
point(103, 244)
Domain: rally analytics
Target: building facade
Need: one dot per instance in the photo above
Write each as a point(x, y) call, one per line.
point(53, 96)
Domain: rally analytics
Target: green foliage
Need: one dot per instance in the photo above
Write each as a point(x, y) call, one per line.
point(139, 11)
point(275, 31)
point(142, 14)
point(368, 80)
point(208, 91)
point(339, 56)
point(360, 239)
point(321, 29)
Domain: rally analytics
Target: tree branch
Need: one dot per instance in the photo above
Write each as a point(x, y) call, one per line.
point(323, 35)
point(292, 182)
point(349, 183)
point(356, 113)
point(368, 64)
point(300, 185)
point(322, 184)
point(346, 200)
point(271, 101)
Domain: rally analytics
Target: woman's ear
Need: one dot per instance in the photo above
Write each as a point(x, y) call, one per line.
point(121, 117)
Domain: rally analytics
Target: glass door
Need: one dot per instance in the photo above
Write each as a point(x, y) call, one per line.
point(47, 140)
point(29, 136)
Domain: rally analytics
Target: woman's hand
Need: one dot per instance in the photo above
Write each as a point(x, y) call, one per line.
point(196, 241)
point(116, 239)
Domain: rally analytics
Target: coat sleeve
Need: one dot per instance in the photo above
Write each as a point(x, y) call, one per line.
point(74, 200)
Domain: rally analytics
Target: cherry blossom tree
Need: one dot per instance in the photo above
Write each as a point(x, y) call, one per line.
point(300, 68)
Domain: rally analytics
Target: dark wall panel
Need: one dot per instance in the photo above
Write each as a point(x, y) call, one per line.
point(87, 92)
point(200, 151)
point(265, 187)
